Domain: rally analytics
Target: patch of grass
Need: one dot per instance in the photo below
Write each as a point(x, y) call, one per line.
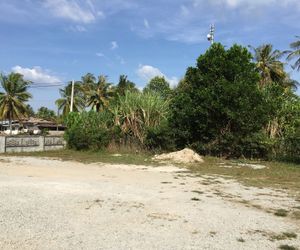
point(281, 213)
point(290, 235)
point(284, 236)
point(212, 233)
point(93, 157)
point(218, 193)
point(277, 175)
point(240, 239)
point(296, 215)
point(198, 192)
point(287, 247)
point(243, 201)
point(166, 182)
point(195, 199)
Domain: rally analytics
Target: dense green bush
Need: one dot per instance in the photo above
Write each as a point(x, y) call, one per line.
point(135, 120)
point(88, 130)
point(160, 138)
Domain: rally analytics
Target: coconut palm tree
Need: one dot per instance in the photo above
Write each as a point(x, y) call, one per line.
point(124, 85)
point(64, 103)
point(99, 94)
point(268, 65)
point(13, 99)
point(86, 82)
point(295, 53)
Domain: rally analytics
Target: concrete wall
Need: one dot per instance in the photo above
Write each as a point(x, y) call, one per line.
point(30, 143)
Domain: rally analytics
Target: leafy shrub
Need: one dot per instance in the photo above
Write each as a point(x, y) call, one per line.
point(88, 130)
point(160, 138)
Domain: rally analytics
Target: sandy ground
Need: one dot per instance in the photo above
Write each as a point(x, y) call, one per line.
point(50, 204)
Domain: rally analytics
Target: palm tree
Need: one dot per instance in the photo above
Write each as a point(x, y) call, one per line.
point(268, 65)
point(99, 94)
point(13, 99)
point(124, 85)
point(295, 53)
point(64, 103)
point(86, 82)
point(289, 84)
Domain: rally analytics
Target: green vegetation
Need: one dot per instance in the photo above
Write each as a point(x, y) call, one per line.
point(287, 247)
point(268, 64)
point(281, 213)
point(294, 53)
point(159, 85)
point(88, 130)
point(218, 109)
point(276, 174)
point(64, 103)
point(45, 113)
point(89, 156)
point(231, 104)
point(13, 99)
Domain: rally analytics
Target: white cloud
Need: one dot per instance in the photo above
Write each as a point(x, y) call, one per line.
point(71, 10)
point(146, 24)
point(99, 54)
point(249, 3)
point(147, 72)
point(114, 45)
point(77, 28)
point(36, 74)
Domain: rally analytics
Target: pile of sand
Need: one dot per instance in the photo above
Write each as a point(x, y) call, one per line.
point(184, 156)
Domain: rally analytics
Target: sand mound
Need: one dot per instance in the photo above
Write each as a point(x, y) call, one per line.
point(184, 156)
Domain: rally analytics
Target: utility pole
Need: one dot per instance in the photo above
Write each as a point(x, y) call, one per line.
point(72, 96)
point(211, 35)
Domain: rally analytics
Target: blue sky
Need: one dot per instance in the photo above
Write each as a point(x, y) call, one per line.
point(51, 41)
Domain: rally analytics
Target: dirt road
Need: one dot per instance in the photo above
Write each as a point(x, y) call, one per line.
point(50, 204)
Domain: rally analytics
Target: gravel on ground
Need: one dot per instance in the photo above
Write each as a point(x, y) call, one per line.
point(52, 204)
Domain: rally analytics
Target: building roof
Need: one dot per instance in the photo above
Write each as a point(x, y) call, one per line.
point(33, 121)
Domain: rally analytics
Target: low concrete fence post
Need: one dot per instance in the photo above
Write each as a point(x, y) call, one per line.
point(2, 144)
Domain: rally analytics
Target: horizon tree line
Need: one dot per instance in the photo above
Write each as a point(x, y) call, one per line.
point(97, 93)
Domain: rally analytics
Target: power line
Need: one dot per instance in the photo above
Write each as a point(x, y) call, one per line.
point(46, 86)
point(48, 83)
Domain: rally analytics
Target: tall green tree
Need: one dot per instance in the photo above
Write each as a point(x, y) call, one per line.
point(99, 94)
point(87, 81)
point(268, 64)
point(45, 113)
point(13, 99)
point(64, 103)
point(159, 85)
point(125, 85)
point(30, 111)
point(218, 108)
point(294, 53)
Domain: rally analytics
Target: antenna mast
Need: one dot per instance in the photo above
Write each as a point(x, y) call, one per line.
point(211, 35)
